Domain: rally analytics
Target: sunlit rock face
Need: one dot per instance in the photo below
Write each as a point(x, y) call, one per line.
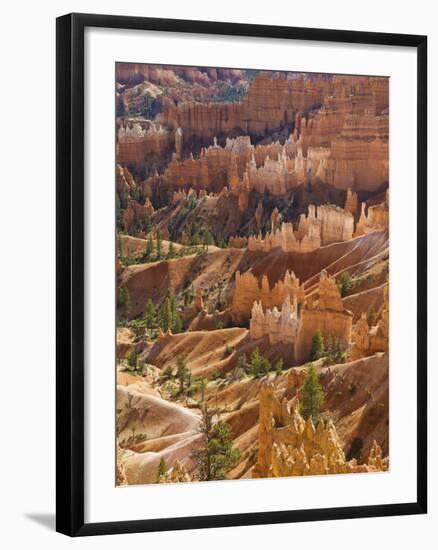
point(325, 313)
point(248, 290)
point(292, 446)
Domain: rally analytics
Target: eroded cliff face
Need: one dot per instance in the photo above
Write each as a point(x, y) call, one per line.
point(136, 142)
point(323, 311)
point(248, 290)
point(292, 446)
point(368, 340)
point(375, 219)
point(281, 326)
point(268, 104)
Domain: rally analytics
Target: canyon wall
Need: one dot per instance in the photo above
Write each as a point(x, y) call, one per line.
point(325, 312)
point(135, 142)
point(370, 340)
point(376, 218)
point(323, 225)
point(269, 104)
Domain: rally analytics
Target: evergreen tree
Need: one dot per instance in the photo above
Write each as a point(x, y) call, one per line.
point(167, 373)
point(183, 374)
point(124, 302)
point(313, 394)
point(317, 350)
point(171, 251)
point(159, 245)
point(150, 315)
point(371, 316)
point(345, 283)
point(258, 365)
point(133, 360)
point(217, 456)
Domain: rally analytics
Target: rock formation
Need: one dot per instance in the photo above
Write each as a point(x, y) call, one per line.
point(292, 446)
point(268, 104)
point(326, 313)
point(323, 225)
point(376, 219)
point(136, 212)
point(135, 142)
point(176, 474)
point(280, 326)
point(126, 185)
point(351, 202)
point(323, 311)
point(247, 291)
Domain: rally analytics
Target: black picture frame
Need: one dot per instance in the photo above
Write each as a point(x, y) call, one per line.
point(70, 273)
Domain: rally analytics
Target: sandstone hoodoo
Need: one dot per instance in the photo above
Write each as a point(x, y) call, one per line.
point(252, 270)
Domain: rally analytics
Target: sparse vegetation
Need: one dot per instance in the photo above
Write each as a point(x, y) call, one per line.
point(317, 349)
point(345, 283)
point(313, 395)
point(371, 316)
point(217, 455)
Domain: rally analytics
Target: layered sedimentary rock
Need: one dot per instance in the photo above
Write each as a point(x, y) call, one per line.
point(323, 225)
point(269, 104)
point(325, 312)
point(219, 166)
point(331, 223)
point(126, 185)
point(280, 325)
point(135, 142)
point(286, 239)
point(136, 212)
point(351, 202)
point(247, 291)
point(292, 446)
point(375, 219)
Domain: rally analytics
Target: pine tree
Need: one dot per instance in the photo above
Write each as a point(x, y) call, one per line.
point(183, 374)
point(345, 283)
point(258, 365)
point(133, 360)
point(313, 394)
point(317, 349)
point(159, 245)
point(124, 302)
point(171, 250)
point(217, 456)
point(149, 252)
point(150, 315)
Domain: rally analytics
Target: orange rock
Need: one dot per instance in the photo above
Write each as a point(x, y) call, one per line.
point(292, 446)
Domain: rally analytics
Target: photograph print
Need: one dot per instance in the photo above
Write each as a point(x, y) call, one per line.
point(251, 270)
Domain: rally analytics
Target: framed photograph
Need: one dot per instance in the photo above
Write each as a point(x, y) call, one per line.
point(241, 274)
